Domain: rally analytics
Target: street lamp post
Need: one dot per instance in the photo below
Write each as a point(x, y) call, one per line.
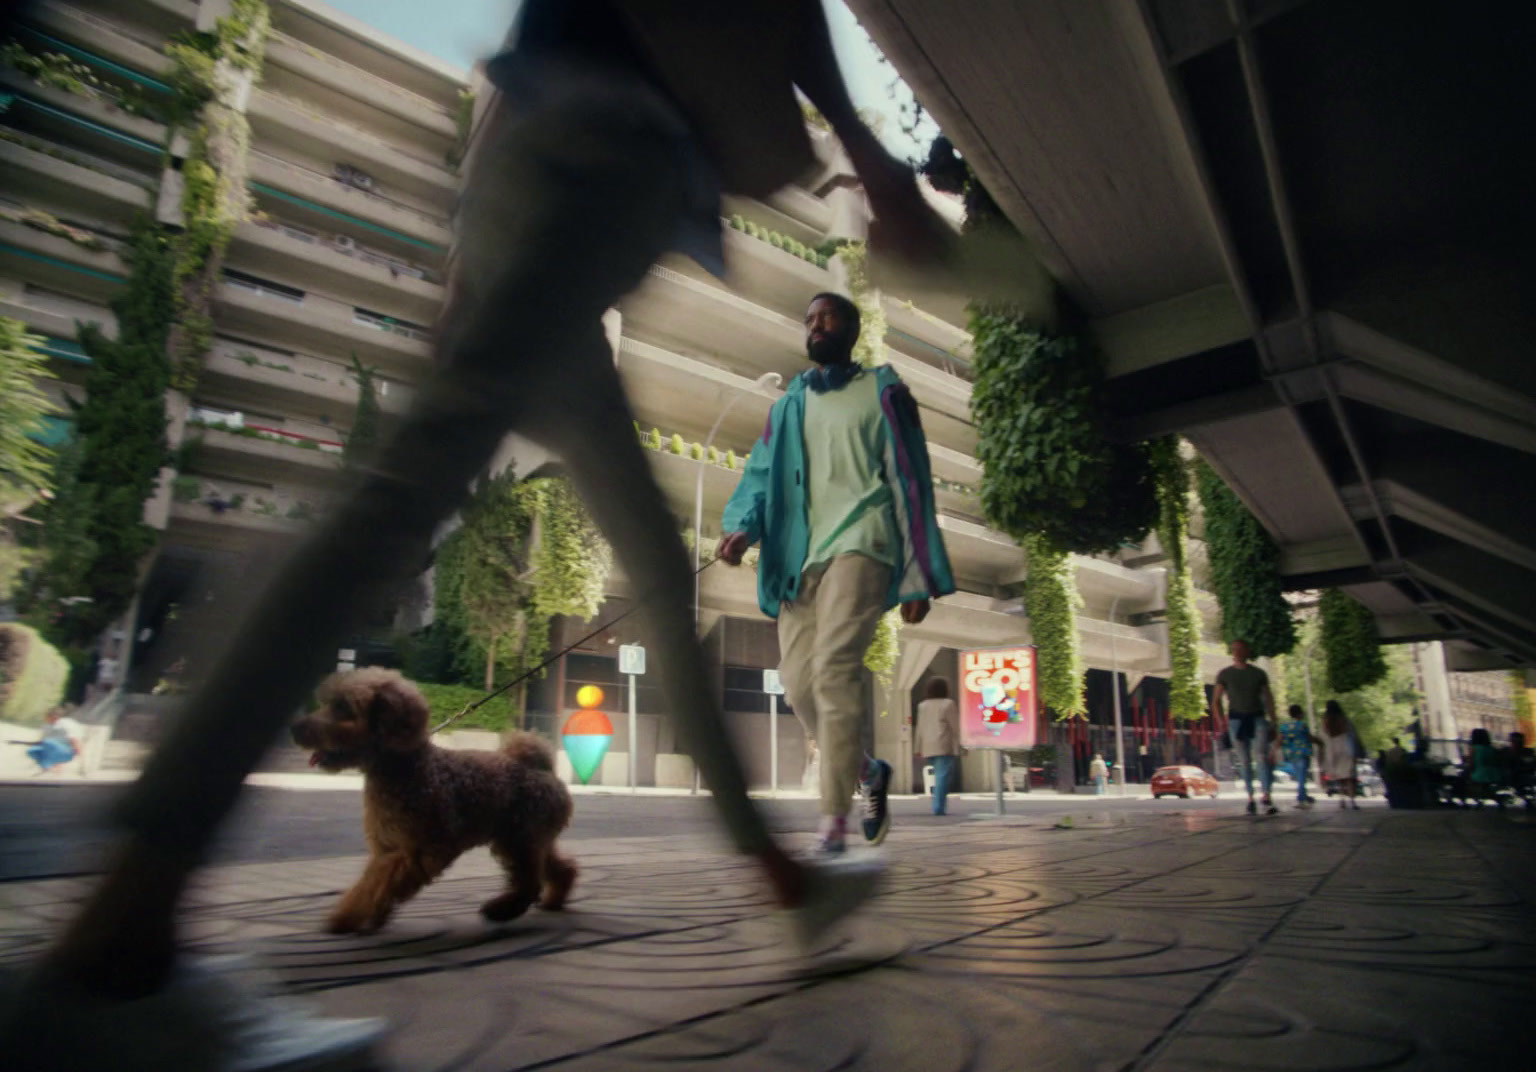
point(767, 381)
point(1114, 662)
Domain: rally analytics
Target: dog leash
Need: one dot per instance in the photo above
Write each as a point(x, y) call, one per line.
point(551, 660)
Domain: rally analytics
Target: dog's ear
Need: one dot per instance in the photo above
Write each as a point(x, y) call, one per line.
point(398, 715)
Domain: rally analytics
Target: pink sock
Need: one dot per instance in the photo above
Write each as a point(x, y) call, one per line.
point(834, 826)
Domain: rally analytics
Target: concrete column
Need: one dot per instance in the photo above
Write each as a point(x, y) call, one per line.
point(157, 508)
point(613, 328)
point(1438, 719)
point(894, 735)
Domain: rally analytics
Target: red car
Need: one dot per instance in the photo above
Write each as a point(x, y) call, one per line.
point(1183, 782)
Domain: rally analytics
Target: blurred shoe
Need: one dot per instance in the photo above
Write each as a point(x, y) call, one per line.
point(1253, 809)
point(829, 845)
point(216, 1014)
point(833, 890)
point(877, 812)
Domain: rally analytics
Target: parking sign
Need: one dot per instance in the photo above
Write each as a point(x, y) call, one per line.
point(631, 659)
point(771, 683)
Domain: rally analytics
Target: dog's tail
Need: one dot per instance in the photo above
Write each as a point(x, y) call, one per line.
point(531, 751)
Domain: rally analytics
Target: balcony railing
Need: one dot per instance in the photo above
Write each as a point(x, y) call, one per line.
point(437, 222)
point(368, 84)
point(348, 247)
point(389, 147)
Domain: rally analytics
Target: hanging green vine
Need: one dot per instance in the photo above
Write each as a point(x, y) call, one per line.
point(573, 561)
point(1522, 698)
point(1186, 699)
point(1046, 465)
point(1051, 598)
point(363, 436)
point(209, 70)
point(1245, 570)
point(869, 351)
point(463, 122)
point(1351, 645)
point(884, 650)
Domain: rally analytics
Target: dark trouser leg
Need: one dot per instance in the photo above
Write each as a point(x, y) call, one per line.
point(562, 216)
point(613, 477)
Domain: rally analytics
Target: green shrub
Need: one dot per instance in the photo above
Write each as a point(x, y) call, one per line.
point(186, 489)
point(448, 700)
point(33, 675)
point(677, 444)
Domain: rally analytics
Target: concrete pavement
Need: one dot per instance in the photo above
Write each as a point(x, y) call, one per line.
point(1140, 938)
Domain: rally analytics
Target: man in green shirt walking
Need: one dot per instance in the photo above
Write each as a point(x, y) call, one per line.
point(839, 492)
point(1250, 710)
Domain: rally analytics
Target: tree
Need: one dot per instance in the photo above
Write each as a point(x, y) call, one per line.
point(121, 431)
point(495, 571)
point(525, 552)
point(1380, 710)
point(364, 434)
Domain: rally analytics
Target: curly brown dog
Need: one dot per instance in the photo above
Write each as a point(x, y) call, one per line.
point(423, 805)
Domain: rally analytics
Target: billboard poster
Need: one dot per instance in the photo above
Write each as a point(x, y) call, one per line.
point(998, 706)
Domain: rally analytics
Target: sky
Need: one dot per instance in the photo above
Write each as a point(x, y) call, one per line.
point(461, 32)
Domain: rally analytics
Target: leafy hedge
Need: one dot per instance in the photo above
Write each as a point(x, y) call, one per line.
point(33, 674)
point(448, 700)
point(792, 246)
point(1351, 645)
point(1245, 571)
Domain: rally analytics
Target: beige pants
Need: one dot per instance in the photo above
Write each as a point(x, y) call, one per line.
point(823, 636)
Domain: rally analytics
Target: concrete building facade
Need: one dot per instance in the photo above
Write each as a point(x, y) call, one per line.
point(343, 260)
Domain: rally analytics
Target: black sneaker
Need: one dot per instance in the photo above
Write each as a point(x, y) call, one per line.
point(1253, 809)
point(877, 815)
point(1270, 809)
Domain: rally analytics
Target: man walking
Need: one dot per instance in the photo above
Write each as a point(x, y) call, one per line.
point(1250, 707)
point(839, 493)
point(938, 739)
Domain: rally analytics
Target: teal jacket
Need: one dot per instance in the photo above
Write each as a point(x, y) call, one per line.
point(770, 506)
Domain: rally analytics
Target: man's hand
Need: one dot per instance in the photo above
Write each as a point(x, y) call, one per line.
point(916, 611)
point(733, 547)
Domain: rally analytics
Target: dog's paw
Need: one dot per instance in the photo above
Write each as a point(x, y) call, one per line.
point(507, 907)
point(350, 921)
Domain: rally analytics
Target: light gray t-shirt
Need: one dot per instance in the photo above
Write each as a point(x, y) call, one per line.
point(1245, 687)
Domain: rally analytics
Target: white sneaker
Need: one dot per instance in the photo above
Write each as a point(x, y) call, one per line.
point(835, 888)
point(206, 1019)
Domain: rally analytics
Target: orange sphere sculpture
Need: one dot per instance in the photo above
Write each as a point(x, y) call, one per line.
point(589, 696)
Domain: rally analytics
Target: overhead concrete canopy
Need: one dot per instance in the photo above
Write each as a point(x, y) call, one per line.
point(1302, 231)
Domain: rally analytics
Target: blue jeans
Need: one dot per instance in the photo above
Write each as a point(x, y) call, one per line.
point(943, 771)
point(1299, 768)
point(1250, 744)
point(49, 754)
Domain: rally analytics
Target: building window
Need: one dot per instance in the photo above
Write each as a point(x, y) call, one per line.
point(380, 322)
point(265, 287)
